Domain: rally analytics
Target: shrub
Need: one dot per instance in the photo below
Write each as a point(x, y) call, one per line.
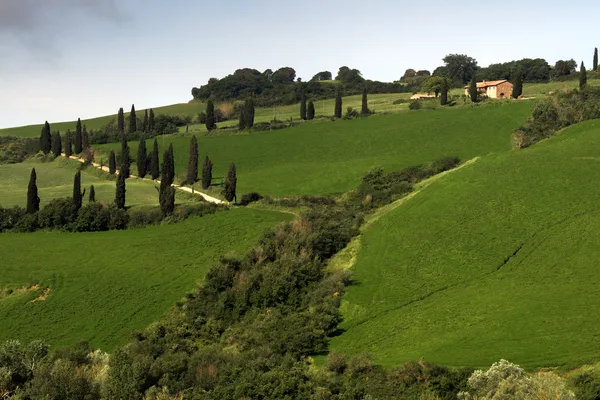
point(118, 217)
point(58, 214)
point(139, 217)
point(27, 223)
point(336, 363)
point(400, 101)
point(351, 113)
point(93, 218)
point(414, 105)
point(186, 211)
point(248, 198)
point(9, 217)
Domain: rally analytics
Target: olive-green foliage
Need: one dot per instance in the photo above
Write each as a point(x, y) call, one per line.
point(585, 382)
point(415, 105)
point(582, 77)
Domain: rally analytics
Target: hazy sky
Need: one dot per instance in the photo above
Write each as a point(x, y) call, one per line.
point(63, 59)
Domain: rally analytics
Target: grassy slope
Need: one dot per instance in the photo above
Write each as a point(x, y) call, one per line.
point(325, 158)
point(55, 180)
point(106, 285)
point(438, 277)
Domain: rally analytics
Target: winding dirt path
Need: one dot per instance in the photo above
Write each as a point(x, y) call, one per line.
point(105, 168)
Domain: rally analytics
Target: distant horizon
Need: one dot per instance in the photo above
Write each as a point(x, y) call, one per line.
point(67, 59)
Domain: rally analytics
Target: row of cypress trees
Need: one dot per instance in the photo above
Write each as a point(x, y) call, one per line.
point(148, 122)
point(73, 144)
point(307, 110)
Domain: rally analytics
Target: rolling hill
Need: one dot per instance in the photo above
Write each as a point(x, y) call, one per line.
point(498, 259)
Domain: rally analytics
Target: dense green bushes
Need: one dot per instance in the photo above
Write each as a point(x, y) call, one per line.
point(16, 150)
point(564, 109)
point(62, 214)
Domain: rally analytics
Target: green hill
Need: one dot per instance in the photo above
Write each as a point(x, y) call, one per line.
point(326, 158)
point(496, 260)
point(103, 286)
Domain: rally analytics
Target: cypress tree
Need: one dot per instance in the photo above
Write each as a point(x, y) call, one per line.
point(132, 120)
point(56, 144)
point(68, 144)
point(595, 65)
point(230, 184)
point(210, 116)
point(582, 77)
point(112, 163)
point(151, 120)
point(125, 156)
point(207, 173)
point(33, 201)
point(166, 195)
point(192, 173)
point(473, 89)
point(145, 123)
point(141, 158)
point(92, 194)
point(46, 139)
point(303, 107)
point(121, 121)
point(365, 105)
point(242, 120)
point(85, 139)
point(249, 113)
point(120, 192)
point(78, 148)
point(338, 105)
point(517, 85)
point(77, 194)
point(444, 92)
point(154, 166)
point(310, 111)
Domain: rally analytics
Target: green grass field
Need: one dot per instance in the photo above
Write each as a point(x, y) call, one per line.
point(103, 286)
point(331, 157)
point(55, 179)
point(496, 260)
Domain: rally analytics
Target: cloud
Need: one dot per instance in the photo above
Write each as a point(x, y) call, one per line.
point(43, 19)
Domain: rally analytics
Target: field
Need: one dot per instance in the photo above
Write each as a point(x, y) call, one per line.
point(331, 157)
point(104, 286)
point(495, 260)
point(55, 180)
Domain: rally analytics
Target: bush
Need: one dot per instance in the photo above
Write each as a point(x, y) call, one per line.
point(248, 198)
point(9, 217)
point(58, 214)
point(400, 101)
point(118, 217)
point(27, 223)
point(414, 105)
point(93, 217)
point(185, 211)
point(139, 217)
point(351, 114)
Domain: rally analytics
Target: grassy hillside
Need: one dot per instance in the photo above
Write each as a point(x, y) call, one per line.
point(495, 260)
point(55, 180)
point(103, 286)
point(325, 158)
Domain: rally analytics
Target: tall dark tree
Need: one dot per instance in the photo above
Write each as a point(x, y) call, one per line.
point(121, 121)
point(145, 123)
point(85, 139)
point(141, 158)
point(92, 196)
point(120, 192)
point(56, 144)
point(68, 144)
point(595, 64)
point(473, 92)
point(517, 84)
point(303, 107)
point(582, 77)
point(125, 158)
point(242, 119)
point(78, 148)
point(154, 166)
point(364, 110)
point(166, 196)
point(249, 112)
point(207, 173)
point(192, 173)
point(445, 87)
point(132, 120)
point(310, 111)
point(33, 201)
point(151, 120)
point(338, 105)
point(210, 116)
point(230, 184)
point(77, 193)
point(112, 163)
point(46, 139)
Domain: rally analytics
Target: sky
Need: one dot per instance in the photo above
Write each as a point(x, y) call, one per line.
point(64, 59)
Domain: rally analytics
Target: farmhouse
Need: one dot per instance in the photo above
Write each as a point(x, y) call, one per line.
point(493, 89)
